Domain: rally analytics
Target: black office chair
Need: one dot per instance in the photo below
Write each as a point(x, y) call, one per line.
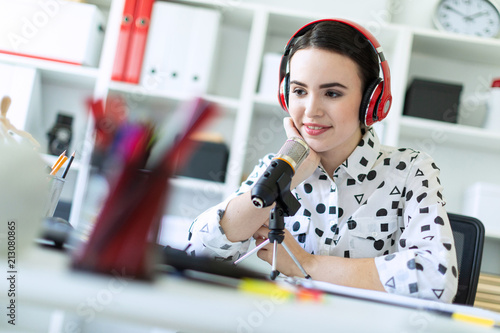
point(469, 241)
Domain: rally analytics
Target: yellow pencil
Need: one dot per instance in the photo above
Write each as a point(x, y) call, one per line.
point(58, 160)
point(59, 165)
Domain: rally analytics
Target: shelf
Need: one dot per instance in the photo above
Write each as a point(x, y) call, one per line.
point(493, 235)
point(450, 134)
point(267, 102)
point(153, 97)
point(193, 184)
point(57, 72)
point(459, 47)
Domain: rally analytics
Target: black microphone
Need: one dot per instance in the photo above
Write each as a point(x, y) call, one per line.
point(278, 175)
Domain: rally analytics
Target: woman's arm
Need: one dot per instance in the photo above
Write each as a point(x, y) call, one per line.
point(358, 273)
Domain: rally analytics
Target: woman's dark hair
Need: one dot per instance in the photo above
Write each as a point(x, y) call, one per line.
point(343, 39)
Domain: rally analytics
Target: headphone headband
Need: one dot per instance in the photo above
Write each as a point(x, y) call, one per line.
point(377, 106)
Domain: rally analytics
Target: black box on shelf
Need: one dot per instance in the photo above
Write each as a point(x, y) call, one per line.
point(207, 161)
point(433, 100)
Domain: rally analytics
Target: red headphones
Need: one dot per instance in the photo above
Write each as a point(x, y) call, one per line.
point(377, 98)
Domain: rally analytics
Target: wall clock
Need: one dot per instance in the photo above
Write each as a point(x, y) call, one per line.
point(470, 17)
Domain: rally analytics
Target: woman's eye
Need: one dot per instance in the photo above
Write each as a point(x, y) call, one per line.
point(333, 94)
point(299, 92)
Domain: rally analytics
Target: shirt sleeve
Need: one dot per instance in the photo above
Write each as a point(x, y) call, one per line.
point(207, 237)
point(425, 265)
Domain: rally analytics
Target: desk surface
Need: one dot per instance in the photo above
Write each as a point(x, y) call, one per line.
point(177, 303)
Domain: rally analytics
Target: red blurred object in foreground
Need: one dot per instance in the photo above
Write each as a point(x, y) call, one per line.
point(123, 240)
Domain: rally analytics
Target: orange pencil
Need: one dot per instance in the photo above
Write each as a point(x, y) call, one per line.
point(59, 165)
point(58, 160)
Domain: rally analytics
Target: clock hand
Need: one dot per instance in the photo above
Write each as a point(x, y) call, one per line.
point(453, 10)
point(473, 16)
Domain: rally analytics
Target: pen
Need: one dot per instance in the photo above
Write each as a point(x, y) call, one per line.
point(71, 158)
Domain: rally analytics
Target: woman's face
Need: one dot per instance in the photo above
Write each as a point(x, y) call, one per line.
point(324, 100)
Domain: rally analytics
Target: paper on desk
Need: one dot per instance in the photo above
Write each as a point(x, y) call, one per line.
point(393, 299)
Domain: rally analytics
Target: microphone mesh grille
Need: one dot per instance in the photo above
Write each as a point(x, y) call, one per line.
point(295, 150)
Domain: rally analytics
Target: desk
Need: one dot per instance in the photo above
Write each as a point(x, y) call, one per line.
point(176, 303)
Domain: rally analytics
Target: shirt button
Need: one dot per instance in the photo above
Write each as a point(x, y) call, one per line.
point(374, 234)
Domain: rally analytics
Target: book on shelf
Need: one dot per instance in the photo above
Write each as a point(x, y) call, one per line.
point(488, 292)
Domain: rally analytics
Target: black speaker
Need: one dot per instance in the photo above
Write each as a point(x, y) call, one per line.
point(207, 161)
point(433, 100)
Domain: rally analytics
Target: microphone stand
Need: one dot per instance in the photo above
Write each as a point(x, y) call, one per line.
point(286, 205)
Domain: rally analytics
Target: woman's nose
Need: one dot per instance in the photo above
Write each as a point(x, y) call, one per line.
point(313, 107)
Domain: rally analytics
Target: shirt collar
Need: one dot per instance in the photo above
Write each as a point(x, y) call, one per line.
point(362, 159)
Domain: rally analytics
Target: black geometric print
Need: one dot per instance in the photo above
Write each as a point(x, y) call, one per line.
point(439, 220)
point(395, 191)
point(438, 292)
point(351, 224)
point(320, 208)
point(382, 212)
point(421, 197)
point(302, 238)
point(359, 197)
point(378, 245)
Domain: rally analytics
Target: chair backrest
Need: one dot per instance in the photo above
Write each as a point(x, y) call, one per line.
point(469, 242)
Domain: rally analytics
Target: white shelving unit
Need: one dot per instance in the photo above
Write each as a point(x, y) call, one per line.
point(251, 124)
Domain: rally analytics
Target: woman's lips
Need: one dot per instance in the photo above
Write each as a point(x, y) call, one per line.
point(315, 129)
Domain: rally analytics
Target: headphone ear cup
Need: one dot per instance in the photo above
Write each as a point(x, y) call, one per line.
point(284, 91)
point(369, 102)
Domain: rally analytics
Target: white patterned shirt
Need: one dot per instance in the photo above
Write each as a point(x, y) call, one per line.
point(382, 202)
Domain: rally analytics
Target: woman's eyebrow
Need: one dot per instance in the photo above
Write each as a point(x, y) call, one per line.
point(325, 85)
point(298, 83)
point(332, 84)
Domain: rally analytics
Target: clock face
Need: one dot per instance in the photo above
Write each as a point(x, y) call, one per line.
point(470, 17)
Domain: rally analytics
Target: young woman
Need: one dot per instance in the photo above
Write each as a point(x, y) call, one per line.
point(371, 216)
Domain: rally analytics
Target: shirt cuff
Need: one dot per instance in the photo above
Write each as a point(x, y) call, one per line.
point(214, 242)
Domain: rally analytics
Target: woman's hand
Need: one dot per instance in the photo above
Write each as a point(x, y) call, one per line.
point(310, 164)
point(284, 263)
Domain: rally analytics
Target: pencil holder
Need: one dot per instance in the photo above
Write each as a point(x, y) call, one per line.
point(55, 187)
